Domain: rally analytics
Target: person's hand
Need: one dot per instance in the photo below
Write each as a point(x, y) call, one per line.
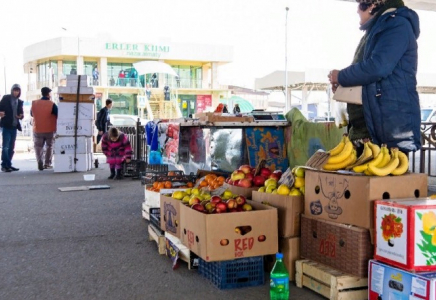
point(19, 117)
point(100, 132)
point(333, 76)
point(2, 114)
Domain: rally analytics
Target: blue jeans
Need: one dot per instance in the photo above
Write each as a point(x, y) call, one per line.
point(9, 135)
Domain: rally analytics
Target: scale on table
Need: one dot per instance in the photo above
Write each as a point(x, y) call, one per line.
point(267, 116)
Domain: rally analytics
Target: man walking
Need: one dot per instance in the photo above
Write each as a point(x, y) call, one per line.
point(103, 119)
point(11, 111)
point(45, 114)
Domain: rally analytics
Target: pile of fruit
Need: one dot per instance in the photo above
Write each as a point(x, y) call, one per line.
point(245, 176)
point(204, 202)
point(272, 185)
point(212, 181)
point(167, 181)
point(374, 160)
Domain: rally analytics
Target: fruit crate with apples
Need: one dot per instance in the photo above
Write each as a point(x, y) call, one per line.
point(237, 273)
point(329, 282)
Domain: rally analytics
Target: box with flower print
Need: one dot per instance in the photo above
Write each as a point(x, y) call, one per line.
point(406, 233)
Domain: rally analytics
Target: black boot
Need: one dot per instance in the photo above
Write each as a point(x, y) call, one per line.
point(112, 174)
point(119, 175)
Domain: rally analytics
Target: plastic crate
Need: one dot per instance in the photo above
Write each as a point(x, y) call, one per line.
point(155, 217)
point(134, 168)
point(237, 273)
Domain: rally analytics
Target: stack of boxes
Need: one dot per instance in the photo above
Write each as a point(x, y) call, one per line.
point(337, 228)
point(69, 147)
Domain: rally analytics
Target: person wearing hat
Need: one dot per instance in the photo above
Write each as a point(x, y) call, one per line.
point(45, 114)
point(11, 111)
point(385, 65)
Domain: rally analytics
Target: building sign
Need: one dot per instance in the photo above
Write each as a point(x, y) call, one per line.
point(203, 101)
point(145, 50)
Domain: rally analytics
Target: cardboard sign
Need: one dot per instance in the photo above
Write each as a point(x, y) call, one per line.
point(170, 215)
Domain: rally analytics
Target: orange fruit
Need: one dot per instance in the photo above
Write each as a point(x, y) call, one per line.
point(168, 184)
point(161, 185)
point(221, 179)
point(155, 184)
point(203, 183)
point(190, 184)
point(171, 173)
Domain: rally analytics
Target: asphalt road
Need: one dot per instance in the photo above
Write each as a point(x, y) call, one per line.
point(89, 244)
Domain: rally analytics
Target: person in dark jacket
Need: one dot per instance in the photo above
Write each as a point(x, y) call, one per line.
point(385, 65)
point(103, 119)
point(11, 111)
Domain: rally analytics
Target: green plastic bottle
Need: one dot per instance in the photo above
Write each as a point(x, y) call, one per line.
point(279, 282)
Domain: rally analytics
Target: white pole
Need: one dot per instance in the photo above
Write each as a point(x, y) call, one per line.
point(286, 63)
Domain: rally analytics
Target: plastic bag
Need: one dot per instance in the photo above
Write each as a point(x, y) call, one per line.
point(340, 113)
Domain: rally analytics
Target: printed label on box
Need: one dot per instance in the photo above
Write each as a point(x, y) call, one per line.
point(425, 237)
point(378, 273)
point(419, 286)
point(392, 233)
point(169, 214)
point(172, 252)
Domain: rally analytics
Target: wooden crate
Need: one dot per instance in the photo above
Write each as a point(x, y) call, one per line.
point(330, 283)
point(145, 211)
point(155, 234)
point(83, 98)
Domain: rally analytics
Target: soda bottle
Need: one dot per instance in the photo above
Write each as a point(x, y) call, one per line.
point(279, 282)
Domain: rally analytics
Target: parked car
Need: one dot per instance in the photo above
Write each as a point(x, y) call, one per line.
point(126, 120)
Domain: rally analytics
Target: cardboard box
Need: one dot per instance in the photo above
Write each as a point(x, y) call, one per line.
point(65, 145)
point(67, 110)
point(84, 90)
point(65, 163)
point(342, 247)
point(387, 282)
point(289, 209)
point(87, 98)
point(405, 233)
point(213, 236)
point(65, 127)
point(290, 247)
point(349, 199)
point(218, 117)
point(170, 215)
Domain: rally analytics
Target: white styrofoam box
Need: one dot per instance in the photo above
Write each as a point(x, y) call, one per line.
point(65, 145)
point(73, 90)
point(73, 79)
point(67, 110)
point(90, 160)
point(65, 163)
point(66, 127)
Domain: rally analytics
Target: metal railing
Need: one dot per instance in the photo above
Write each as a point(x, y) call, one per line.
point(421, 159)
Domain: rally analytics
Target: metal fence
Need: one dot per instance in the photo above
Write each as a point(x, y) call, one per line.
point(136, 135)
point(421, 160)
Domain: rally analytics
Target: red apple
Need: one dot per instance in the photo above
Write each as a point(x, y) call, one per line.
point(198, 207)
point(276, 176)
point(253, 171)
point(228, 179)
point(231, 182)
point(215, 199)
point(245, 183)
point(231, 203)
point(265, 172)
point(233, 210)
point(240, 200)
point(221, 207)
point(236, 182)
point(239, 209)
point(194, 200)
point(249, 176)
point(258, 180)
point(245, 168)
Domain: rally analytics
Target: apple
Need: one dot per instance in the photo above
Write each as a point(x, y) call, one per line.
point(237, 175)
point(233, 210)
point(228, 179)
point(236, 182)
point(265, 172)
point(261, 189)
point(275, 176)
point(299, 172)
point(216, 199)
point(249, 176)
point(295, 192)
point(271, 181)
point(221, 207)
point(240, 200)
point(208, 206)
point(245, 168)
point(194, 200)
point(258, 180)
point(231, 203)
point(239, 209)
point(198, 207)
point(247, 207)
point(245, 183)
point(231, 182)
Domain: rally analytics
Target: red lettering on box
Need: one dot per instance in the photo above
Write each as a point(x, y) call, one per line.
point(190, 237)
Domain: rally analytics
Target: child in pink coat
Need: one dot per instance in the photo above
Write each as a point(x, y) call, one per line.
point(116, 147)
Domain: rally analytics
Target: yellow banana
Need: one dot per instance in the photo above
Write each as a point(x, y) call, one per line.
point(403, 166)
point(364, 167)
point(392, 165)
point(374, 148)
point(344, 154)
point(368, 173)
point(366, 154)
point(343, 164)
point(339, 147)
point(386, 157)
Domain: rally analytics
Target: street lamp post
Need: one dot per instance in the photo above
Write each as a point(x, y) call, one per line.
point(286, 62)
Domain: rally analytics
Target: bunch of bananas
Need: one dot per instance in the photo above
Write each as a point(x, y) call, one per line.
point(383, 163)
point(373, 160)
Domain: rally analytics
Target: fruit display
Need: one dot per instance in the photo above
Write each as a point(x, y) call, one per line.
point(204, 202)
point(374, 160)
point(211, 181)
point(246, 176)
point(272, 185)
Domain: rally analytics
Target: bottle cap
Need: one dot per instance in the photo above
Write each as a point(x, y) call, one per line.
point(279, 255)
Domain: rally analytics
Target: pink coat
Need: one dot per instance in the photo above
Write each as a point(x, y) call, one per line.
point(118, 151)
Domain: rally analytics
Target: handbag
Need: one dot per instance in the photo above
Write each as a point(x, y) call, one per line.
point(351, 94)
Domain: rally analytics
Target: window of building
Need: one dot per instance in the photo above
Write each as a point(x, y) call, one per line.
point(190, 77)
point(69, 67)
point(124, 104)
point(47, 74)
point(88, 68)
point(119, 74)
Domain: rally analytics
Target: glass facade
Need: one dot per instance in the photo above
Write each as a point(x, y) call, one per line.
point(190, 77)
point(87, 70)
point(69, 67)
point(123, 74)
point(47, 74)
point(124, 104)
